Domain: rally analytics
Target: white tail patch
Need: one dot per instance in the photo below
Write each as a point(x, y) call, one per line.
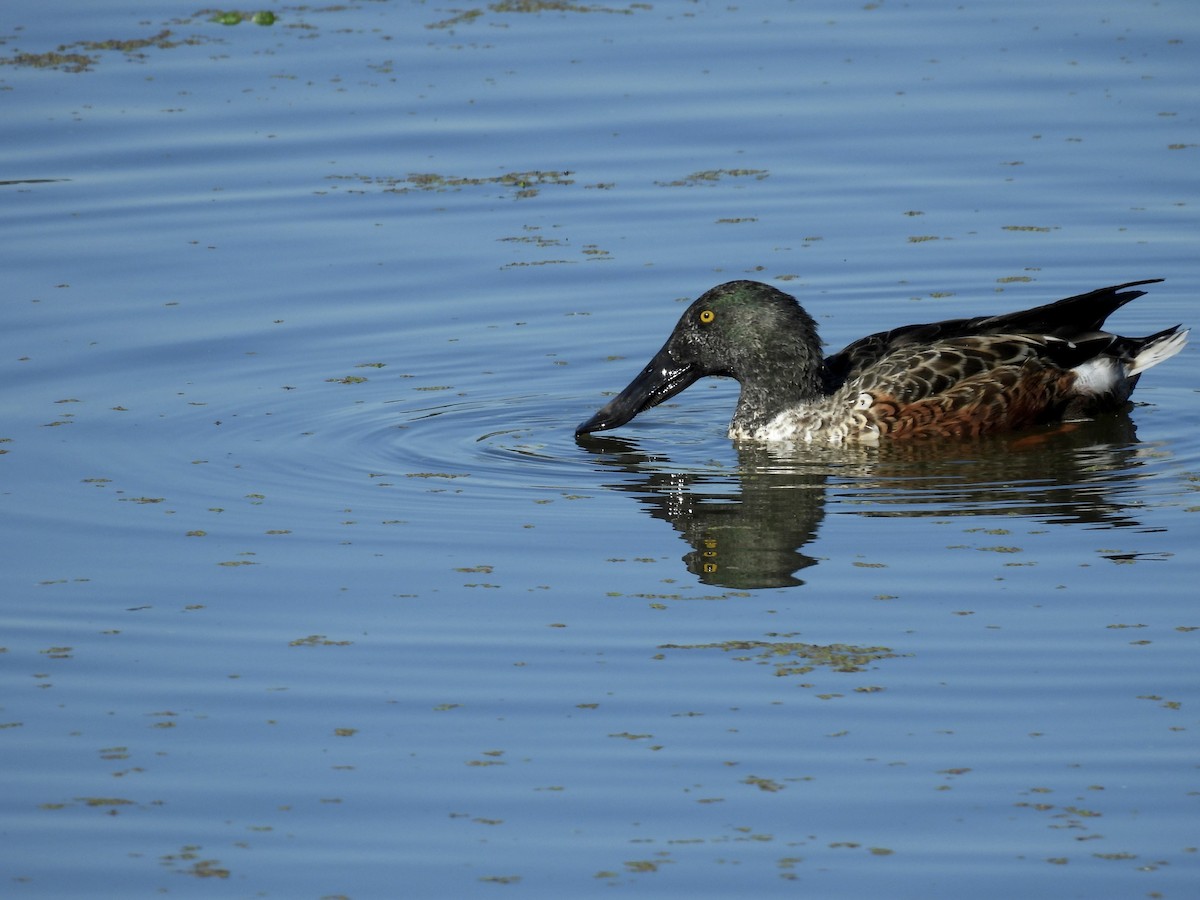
point(1162, 349)
point(1099, 375)
point(1107, 374)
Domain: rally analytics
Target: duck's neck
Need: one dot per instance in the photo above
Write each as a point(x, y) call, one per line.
point(772, 391)
point(778, 364)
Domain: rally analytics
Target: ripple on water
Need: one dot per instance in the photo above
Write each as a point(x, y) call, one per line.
point(328, 452)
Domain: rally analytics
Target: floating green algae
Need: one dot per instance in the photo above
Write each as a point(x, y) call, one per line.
point(797, 658)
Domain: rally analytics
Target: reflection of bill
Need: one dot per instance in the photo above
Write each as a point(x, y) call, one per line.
point(748, 527)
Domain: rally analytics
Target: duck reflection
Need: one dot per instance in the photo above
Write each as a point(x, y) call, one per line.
point(747, 526)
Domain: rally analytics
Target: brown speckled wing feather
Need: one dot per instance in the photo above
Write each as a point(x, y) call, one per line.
point(968, 386)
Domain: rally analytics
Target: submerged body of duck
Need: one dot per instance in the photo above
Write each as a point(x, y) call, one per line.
point(953, 379)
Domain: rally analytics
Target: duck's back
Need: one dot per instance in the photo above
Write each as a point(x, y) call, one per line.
point(1074, 318)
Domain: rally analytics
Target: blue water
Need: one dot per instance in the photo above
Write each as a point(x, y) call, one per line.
point(309, 591)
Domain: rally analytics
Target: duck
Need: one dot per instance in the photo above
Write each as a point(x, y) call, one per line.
point(955, 379)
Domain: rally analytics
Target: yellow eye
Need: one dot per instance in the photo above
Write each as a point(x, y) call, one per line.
point(707, 316)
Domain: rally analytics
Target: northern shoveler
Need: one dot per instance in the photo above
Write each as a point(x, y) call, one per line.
point(953, 379)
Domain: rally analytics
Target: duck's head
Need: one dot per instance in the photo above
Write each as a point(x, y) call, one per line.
point(742, 329)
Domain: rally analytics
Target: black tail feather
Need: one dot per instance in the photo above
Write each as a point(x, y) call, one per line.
point(1080, 314)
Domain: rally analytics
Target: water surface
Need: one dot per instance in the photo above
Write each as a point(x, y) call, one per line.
point(310, 591)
